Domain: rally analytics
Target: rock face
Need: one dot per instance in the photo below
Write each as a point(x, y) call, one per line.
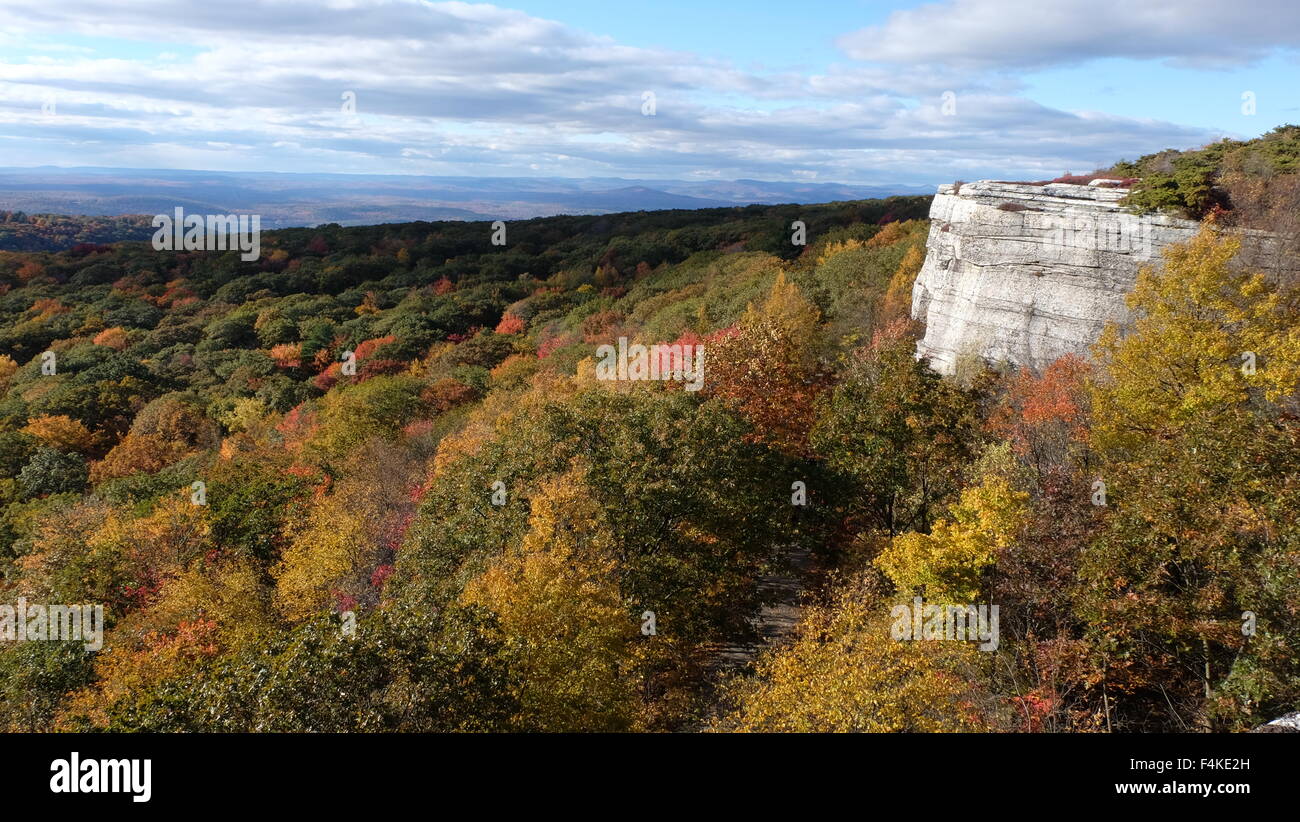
point(1289, 724)
point(1028, 273)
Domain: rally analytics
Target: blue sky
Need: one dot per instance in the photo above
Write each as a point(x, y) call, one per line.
point(848, 91)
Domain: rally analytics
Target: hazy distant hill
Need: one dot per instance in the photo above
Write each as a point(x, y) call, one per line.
point(286, 200)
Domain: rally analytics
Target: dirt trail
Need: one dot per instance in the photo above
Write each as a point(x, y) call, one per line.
point(775, 623)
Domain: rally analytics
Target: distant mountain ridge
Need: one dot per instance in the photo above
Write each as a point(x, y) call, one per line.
point(293, 199)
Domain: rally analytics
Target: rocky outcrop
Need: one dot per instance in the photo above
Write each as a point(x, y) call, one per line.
point(1289, 724)
point(1028, 273)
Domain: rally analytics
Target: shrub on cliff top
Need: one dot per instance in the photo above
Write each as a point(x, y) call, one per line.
point(1195, 183)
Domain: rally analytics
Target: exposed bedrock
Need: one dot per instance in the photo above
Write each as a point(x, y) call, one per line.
point(1028, 273)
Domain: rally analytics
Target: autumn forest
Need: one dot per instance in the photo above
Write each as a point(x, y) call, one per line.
point(372, 481)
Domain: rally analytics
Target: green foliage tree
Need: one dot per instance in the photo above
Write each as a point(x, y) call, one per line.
point(897, 435)
point(51, 471)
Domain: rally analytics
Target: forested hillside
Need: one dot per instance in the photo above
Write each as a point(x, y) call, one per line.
point(373, 481)
point(55, 232)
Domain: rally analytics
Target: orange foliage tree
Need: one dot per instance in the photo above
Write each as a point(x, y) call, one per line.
point(766, 368)
point(1045, 418)
point(62, 432)
point(114, 338)
point(137, 453)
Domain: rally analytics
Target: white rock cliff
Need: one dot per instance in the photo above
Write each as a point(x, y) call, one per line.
point(1028, 273)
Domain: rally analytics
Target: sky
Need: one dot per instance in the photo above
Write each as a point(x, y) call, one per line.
point(850, 91)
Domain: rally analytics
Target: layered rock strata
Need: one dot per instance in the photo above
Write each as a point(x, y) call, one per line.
point(1028, 273)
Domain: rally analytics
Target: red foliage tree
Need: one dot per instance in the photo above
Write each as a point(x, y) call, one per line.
point(510, 324)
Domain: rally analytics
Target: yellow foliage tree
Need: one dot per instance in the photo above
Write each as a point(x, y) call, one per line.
point(330, 550)
point(785, 306)
point(897, 302)
point(207, 610)
point(949, 562)
point(1204, 336)
point(7, 368)
point(247, 415)
point(557, 600)
point(230, 595)
point(345, 535)
point(838, 247)
point(1194, 409)
point(169, 538)
point(845, 673)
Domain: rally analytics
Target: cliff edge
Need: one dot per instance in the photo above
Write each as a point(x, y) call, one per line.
point(1027, 273)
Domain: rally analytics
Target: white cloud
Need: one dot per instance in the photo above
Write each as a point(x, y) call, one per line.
point(454, 88)
point(1021, 33)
